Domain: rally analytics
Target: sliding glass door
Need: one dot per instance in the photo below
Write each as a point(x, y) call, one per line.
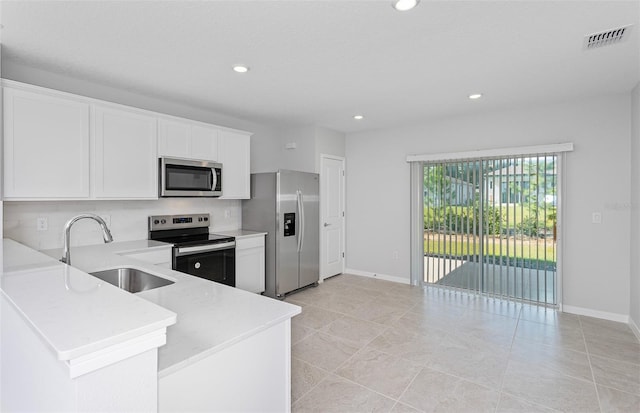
point(490, 226)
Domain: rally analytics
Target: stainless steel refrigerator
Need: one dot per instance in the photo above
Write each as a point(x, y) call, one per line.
point(285, 205)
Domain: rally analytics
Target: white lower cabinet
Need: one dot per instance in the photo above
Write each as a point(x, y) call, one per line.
point(125, 154)
point(252, 375)
point(250, 264)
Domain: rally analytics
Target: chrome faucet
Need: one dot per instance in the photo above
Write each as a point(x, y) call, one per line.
point(66, 252)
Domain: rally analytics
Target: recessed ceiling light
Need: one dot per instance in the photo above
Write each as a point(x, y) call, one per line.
point(404, 5)
point(475, 96)
point(358, 117)
point(240, 68)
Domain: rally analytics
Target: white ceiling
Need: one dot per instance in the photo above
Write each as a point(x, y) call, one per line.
point(321, 62)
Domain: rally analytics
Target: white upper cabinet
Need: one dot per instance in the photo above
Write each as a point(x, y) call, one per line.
point(187, 139)
point(234, 155)
point(125, 154)
point(204, 142)
point(46, 146)
point(63, 146)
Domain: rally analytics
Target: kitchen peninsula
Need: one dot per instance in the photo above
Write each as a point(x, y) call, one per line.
point(221, 343)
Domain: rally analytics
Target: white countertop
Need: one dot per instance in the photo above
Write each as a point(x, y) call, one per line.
point(240, 233)
point(211, 316)
point(75, 313)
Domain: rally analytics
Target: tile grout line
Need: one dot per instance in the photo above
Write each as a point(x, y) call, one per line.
point(387, 327)
point(388, 297)
point(593, 376)
point(334, 371)
point(409, 386)
point(312, 387)
point(504, 373)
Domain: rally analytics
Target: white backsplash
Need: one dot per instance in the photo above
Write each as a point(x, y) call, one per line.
point(127, 220)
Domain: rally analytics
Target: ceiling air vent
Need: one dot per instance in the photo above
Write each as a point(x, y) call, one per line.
point(606, 38)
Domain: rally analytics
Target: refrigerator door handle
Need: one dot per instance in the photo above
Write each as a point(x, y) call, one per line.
point(300, 220)
point(303, 224)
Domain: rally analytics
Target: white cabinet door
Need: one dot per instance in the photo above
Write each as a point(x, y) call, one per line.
point(174, 138)
point(185, 139)
point(234, 154)
point(125, 162)
point(46, 146)
point(250, 262)
point(204, 143)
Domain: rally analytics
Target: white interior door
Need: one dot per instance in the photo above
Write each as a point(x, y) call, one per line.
point(331, 216)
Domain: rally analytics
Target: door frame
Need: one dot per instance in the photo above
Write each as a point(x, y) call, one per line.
point(323, 158)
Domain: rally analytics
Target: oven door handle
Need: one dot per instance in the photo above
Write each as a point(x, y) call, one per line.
point(180, 251)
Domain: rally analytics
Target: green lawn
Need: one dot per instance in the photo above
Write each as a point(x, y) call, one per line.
point(446, 235)
point(494, 247)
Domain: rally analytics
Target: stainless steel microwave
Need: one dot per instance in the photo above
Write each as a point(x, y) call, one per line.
point(189, 178)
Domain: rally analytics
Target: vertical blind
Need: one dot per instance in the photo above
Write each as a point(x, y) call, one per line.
point(488, 221)
point(490, 226)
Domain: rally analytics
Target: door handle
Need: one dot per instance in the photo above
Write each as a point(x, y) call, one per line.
point(303, 222)
point(326, 224)
point(300, 222)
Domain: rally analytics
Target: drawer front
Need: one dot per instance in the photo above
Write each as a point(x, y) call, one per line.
point(252, 242)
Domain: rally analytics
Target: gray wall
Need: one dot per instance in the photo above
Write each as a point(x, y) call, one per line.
point(328, 142)
point(310, 141)
point(302, 158)
point(634, 289)
point(596, 257)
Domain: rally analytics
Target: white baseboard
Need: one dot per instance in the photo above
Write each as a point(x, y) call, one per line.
point(634, 327)
point(621, 318)
point(379, 276)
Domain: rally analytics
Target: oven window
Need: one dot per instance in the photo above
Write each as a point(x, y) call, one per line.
point(185, 178)
point(218, 266)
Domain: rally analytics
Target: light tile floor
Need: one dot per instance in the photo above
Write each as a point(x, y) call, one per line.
point(367, 345)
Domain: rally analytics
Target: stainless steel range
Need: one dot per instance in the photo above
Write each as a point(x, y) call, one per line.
point(195, 251)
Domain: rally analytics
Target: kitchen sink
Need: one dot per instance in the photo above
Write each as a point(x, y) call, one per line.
point(131, 279)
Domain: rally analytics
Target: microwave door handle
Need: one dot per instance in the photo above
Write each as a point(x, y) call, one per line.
point(214, 179)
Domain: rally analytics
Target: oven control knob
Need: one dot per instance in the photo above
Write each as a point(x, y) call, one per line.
point(200, 219)
point(156, 221)
point(206, 219)
point(163, 221)
point(197, 265)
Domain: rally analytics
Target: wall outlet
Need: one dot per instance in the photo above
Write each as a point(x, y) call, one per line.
point(227, 213)
point(42, 224)
point(596, 218)
point(395, 255)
